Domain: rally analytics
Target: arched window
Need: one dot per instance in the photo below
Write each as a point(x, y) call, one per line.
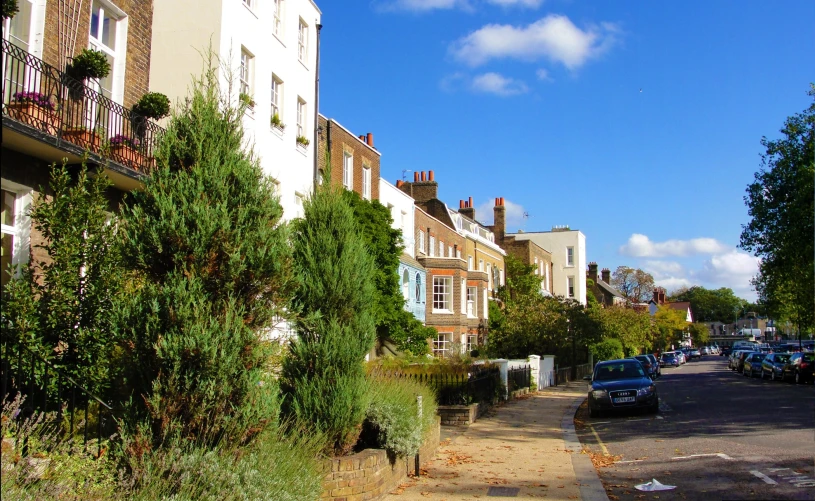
point(418, 288)
point(406, 285)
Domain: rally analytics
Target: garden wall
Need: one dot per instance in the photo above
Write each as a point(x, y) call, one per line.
point(370, 474)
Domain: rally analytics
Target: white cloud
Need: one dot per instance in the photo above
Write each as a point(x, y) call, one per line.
point(672, 283)
point(663, 268)
point(553, 37)
point(733, 269)
point(532, 4)
point(495, 83)
point(639, 245)
point(451, 83)
point(420, 6)
point(543, 75)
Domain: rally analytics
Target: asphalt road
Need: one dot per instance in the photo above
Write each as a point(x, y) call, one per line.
point(718, 435)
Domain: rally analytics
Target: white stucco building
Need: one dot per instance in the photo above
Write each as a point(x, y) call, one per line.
point(568, 248)
point(401, 206)
point(271, 46)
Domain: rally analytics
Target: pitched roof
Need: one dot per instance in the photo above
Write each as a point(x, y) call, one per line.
point(608, 288)
point(406, 259)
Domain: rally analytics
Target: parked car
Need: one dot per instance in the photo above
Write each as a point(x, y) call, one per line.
point(694, 353)
point(731, 359)
point(681, 356)
point(725, 352)
point(752, 364)
point(773, 365)
point(656, 363)
point(650, 369)
point(669, 358)
point(741, 358)
point(799, 368)
point(621, 384)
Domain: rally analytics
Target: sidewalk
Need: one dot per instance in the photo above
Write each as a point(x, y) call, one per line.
point(525, 449)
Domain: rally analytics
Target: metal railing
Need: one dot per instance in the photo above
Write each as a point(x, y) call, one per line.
point(519, 377)
point(45, 389)
point(52, 102)
point(479, 384)
point(564, 374)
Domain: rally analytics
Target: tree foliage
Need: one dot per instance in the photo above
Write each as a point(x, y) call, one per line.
point(212, 272)
point(60, 308)
point(709, 305)
point(323, 377)
point(631, 327)
point(781, 205)
point(636, 285)
point(668, 327)
point(607, 349)
point(699, 333)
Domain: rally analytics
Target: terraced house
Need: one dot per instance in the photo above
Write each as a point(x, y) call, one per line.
point(272, 50)
point(49, 114)
point(457, 296)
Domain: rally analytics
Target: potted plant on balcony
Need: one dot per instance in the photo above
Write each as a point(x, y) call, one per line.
point(9, 8)
point(128, 151)
point(302, 141)
point(276, 122)
point(247, 100)
point(153, 105)
point(87, 64)
point(35, 109)
point(82, 136)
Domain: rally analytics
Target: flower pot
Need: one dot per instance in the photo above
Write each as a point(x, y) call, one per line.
point(87, 139)
point(131, 157)
point(39, 117)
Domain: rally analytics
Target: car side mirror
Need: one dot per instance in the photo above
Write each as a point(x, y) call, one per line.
point(586, 378)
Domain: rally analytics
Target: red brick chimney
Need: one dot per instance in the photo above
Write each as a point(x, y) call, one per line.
point(468, 209)
point(499, 226)
point(423, 187)
point(370, 140)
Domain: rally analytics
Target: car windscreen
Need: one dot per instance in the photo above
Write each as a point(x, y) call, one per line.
point(643, 358)
point(781, 358)
point(622, 370)
point(809, 357)
point(758, 357)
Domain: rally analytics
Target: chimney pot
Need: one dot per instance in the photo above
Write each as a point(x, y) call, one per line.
point(415, 177)
point(430, 176)
point(470, 201)
point(371, 139)
point(423, 176)
point(502, 201)
point(399, 183)
point(461, 204)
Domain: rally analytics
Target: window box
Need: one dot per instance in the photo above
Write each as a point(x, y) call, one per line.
point(302, 141)
point(39, 115)
point(131, 157)
point(85, 138)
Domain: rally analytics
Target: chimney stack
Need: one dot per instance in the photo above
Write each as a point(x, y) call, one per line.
point(370, 140)
point(468, 209)
point(593, 271)
point(606, 274)
point(499, 225)
point(423, 187)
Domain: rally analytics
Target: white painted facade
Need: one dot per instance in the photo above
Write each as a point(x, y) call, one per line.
point(558, 242)
point(271, 41)
point(402, 211)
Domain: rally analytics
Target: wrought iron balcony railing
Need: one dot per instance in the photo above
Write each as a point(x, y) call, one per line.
point(49, 101)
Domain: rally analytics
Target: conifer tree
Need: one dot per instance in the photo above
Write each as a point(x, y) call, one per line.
point(60, 306)
point(324, 381)
point(212, 274)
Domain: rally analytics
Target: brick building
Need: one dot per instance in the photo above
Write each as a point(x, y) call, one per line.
point(457, 296)
point(48, 116)
point(354, 160)
point(606, 294)
point(527, 251)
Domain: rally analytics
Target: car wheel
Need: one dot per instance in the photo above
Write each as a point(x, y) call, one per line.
point(797, 377)
point(772, 375)
point(592, 411)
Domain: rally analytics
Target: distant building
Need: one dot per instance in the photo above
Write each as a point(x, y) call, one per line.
point(606, 294)
point(354, 160)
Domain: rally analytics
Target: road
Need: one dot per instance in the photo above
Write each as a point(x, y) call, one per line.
point(718, 435)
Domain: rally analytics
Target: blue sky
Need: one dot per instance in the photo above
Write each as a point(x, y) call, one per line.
point(637, 123)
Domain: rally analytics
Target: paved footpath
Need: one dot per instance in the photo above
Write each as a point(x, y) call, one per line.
point(524, 449)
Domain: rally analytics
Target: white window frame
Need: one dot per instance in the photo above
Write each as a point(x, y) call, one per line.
point(441, 248)
point(277, 96)
point(348, 170)
point(406, 286)
point(441, 346)
point(247, 62)
point(298, 199)
point(480, 265)
point(472, 297)
point(469, 263)
point(419, 290)
point(442, 294)
point(366, 182)
point(471, 342)
point(301, 117)
point(536, 266)
point(463, 290)
point(489, 276)
point(421, 242)
point(570, 292)
point(569, 256)
point(302, 41)
point(117, 53)
point(20, 231)
point(432, 246)
point(277, 18)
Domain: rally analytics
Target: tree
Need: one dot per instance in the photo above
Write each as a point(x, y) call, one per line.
point(699, 333)
point(635, 285)
point(212, 274)
point(384, 244)
point(781, 205)
point(668, 326)
point(60, 306)
point(323, 379)
point(719, 305)
point(608, 349)
point(631, 327)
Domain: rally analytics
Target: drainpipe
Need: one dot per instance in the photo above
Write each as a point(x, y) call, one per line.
point(317, 105)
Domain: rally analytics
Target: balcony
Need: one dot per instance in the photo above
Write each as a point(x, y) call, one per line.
point(49, 115)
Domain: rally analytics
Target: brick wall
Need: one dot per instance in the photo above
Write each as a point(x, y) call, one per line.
point(335, 140)
point(139, 34)
point(371, 474)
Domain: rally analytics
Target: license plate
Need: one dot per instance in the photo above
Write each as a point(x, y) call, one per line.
point(622, 400)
